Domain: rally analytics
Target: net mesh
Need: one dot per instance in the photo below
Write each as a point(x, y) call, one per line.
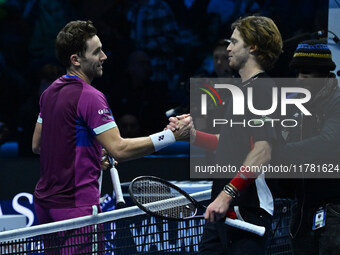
point(143, 235)
point(162, 199)
point(128, 231)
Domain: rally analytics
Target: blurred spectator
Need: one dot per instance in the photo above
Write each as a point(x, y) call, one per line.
point(100, 12)
point(315, 141)
point(110, 18)
point(14, 37)
point(215, 66)
point(129, 126)
point(177, 42)
point(154, 29)
point(136, 92)
point(46, 74)
point(230, 10)
point(217, 63)
point(117, 41)
point(53, 15)
point(220, 60)
point(180, 11)
point(206, 30)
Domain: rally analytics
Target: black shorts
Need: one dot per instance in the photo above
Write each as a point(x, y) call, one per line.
point(220, 239)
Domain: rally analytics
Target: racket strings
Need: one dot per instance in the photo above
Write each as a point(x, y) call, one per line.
point(162, 199)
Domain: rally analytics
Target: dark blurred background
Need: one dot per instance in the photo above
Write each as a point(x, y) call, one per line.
point(153, 48)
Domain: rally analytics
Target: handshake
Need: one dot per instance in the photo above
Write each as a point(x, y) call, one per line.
point(183, 128)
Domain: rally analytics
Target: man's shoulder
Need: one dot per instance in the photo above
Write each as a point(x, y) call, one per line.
point(54, 87)
point(260, 81)
point(90, 91)
point(262, 85)
point(263, 80)
point(63, 83)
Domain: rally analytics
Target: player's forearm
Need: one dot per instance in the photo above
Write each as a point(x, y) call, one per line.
point(131, 148)
point(204, 140)
point(126, 149)
point(259, 155)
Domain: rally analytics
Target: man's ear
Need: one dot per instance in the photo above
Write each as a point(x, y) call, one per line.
point(74, 58)
point(253, 49)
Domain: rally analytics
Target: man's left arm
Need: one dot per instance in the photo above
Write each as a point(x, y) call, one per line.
point(262, 139)
point(36, 138)
point(259, 155)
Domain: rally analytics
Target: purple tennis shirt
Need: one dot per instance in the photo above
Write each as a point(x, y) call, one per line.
point(72, 113)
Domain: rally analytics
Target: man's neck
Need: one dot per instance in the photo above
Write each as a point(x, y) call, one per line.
point(79, 74)
point(250, 70)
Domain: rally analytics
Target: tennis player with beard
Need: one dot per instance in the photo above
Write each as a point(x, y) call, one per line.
point(255, 45)
point(73, 126)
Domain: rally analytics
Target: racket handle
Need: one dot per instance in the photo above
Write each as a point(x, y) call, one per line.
point(255, 229)
point(100, 181)
point(116, 185)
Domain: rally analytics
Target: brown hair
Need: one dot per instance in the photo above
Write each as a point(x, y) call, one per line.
point(72, 40)
point(261, 32)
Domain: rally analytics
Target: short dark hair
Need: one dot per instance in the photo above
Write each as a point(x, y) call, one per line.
point(72, 40)
point(262, 32)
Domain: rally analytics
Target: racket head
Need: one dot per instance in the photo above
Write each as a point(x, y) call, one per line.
point(162, 199)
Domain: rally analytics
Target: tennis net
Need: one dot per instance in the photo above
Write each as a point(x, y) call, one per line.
point(128, 231)
point(124, 231)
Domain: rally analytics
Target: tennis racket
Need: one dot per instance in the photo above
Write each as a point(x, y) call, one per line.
point(120, 202)
point(165, 200)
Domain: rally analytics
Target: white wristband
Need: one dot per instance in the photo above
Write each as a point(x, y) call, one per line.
point(162, 139)
point(39, 120)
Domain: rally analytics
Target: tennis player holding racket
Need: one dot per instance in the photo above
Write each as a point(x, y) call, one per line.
point(74, 123)
point(254, 47)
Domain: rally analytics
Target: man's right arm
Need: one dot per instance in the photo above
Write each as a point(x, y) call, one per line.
point(123, 149)
point(201, 139)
